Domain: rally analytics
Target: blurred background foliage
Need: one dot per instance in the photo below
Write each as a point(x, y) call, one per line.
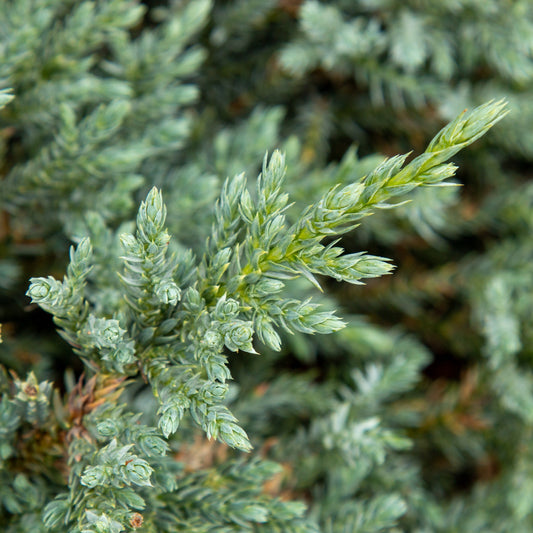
point(418, 415)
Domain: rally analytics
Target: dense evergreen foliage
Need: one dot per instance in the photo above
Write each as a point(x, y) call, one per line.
point(234, 343)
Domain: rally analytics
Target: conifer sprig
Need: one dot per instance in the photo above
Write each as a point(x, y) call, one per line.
point(269, 246)
point(336, 212)
point(240, 279)
point(179, 318)
point(267, 250)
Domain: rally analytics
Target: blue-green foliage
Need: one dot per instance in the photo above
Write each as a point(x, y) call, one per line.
point(179, 313)
point(94, 105)
point(226, 377)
